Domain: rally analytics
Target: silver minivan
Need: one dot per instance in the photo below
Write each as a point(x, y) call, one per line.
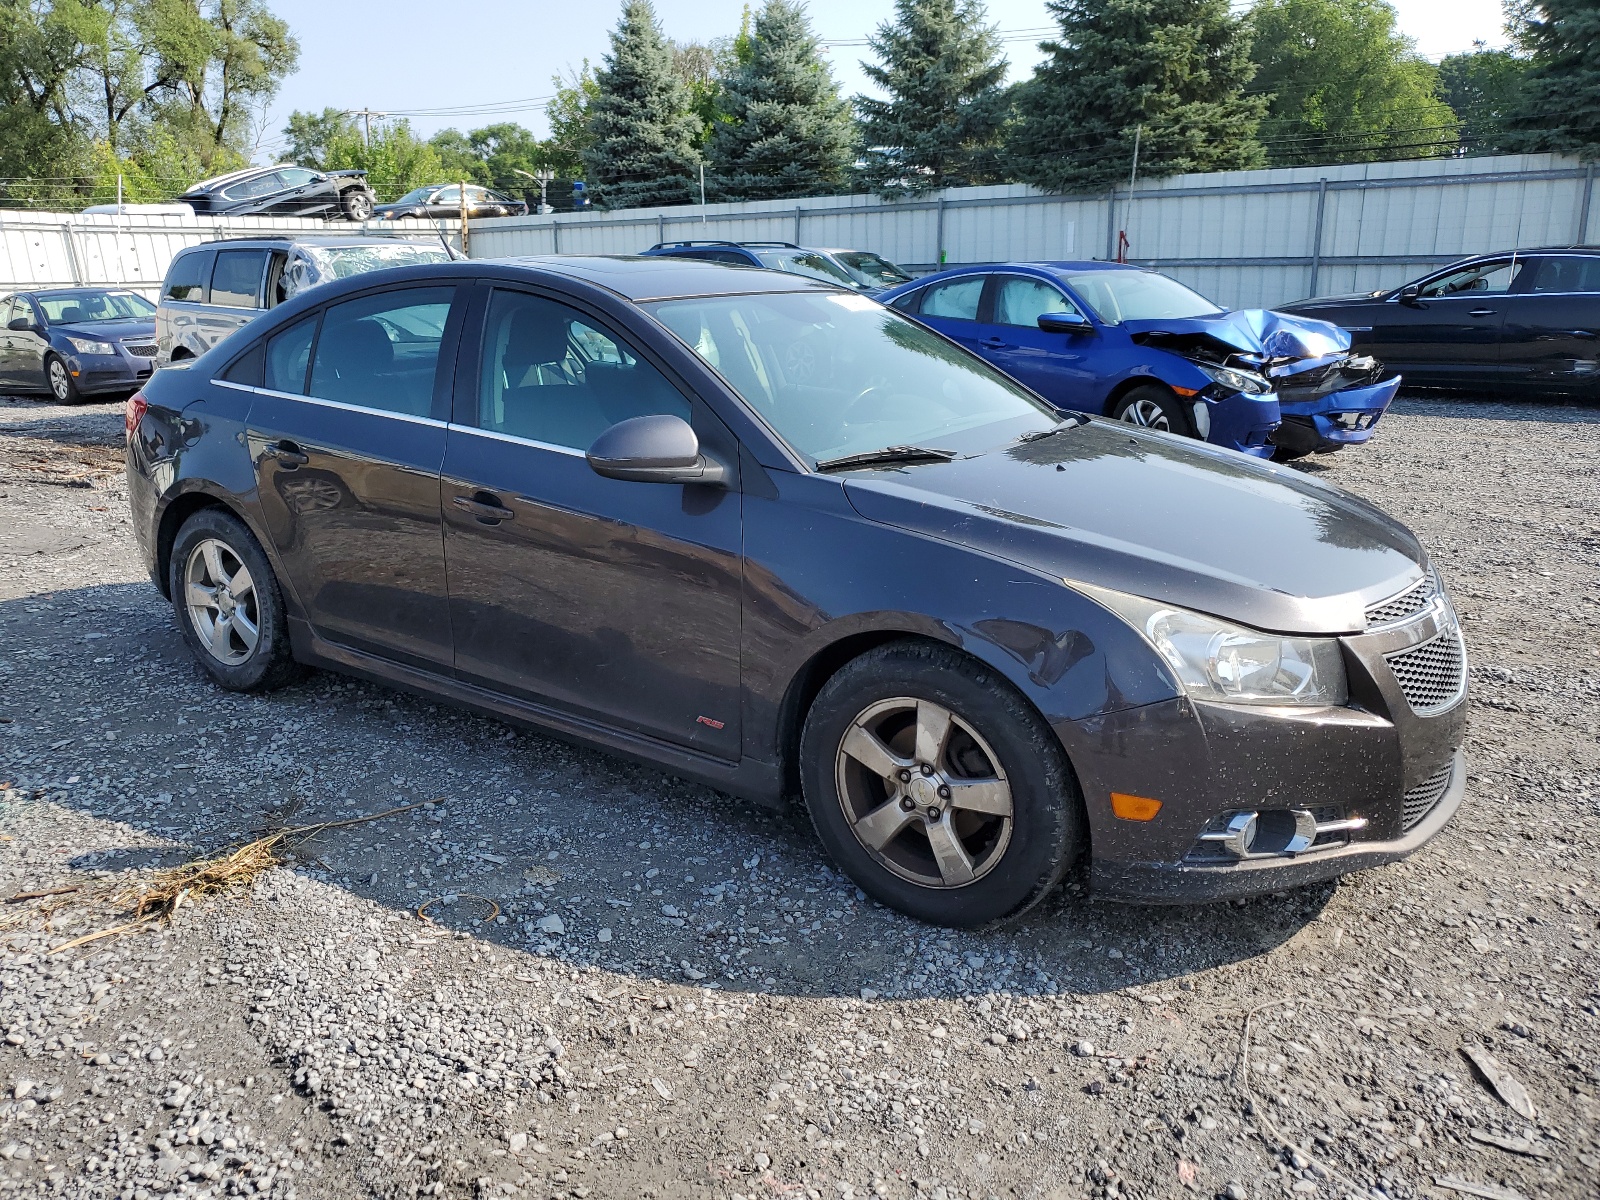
point(214, 288)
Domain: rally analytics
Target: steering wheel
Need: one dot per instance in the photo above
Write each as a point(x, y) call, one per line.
point(874, 392)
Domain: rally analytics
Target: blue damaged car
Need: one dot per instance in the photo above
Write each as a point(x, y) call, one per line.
point(1132, 344)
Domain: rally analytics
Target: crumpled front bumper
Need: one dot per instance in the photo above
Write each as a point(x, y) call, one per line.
point(1343, 418)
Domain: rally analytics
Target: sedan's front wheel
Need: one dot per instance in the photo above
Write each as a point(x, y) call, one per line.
point(229, 605)
point(1152, 407)
point(936, 787)
point(63, 387)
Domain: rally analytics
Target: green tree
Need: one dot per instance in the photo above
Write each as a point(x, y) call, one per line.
point(789, 132)
point(568, 117)
point(395, 159)
point(641, 132)
point(43, 141)
point(704, 67)
point(942, 122)
point(1483, 87)
point(1345, 85)
point(1558, 107)
point(310, 134)
point(1171, 72)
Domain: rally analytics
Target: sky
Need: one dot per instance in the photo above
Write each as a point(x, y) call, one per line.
point(492, 60)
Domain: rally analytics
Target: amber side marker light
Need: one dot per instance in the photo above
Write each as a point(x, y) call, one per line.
point(1134, 808)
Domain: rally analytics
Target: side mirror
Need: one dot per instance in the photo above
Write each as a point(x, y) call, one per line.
point(21, 325)
point(654, 449)
point(1065, 322)
point(1409, 294)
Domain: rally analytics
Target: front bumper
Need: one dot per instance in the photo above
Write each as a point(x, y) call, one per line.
point(119, 372)
point(1363, 766)
point(1241, 422)
point(1339, 419)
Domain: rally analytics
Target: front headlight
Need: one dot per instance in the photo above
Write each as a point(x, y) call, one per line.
point(1219, 661)
point(1239, 381)
point(90, 346)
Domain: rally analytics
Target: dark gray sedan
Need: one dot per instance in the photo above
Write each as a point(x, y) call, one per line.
point(75, 342)
point(768, 534)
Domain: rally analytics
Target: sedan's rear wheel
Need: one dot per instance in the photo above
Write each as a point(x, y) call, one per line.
point(228, 603)
point(937, 788)
point(356, 204)
point(1153, 407)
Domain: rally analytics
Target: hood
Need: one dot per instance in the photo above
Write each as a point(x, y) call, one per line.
point(1253, 331)
point(1164, 518)
point(1346, 298)
point(107, 331)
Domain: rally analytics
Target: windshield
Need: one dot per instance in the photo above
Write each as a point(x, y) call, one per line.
point(340, 262)
point(1118, 296)
point(835, 374)
point(805, 262)
point(870, 270)
point(85, 308)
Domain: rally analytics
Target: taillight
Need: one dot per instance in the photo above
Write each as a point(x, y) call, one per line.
point(133, 412)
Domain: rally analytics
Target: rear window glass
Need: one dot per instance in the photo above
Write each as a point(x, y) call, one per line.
point(236, 283)
point(382, 351)
point(288, 353)
point(1568, 274)
point(954, 301)
point(186, 278)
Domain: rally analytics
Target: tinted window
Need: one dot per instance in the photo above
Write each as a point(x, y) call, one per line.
point(552, 375)
point(288, 353)
point(956, 300)
point(911, 302)
point(236, 282)
point(1020, 301)
point(1568, 274)
point(253, 189)
point(383, 351)
point(186, 278)
point(248, 367)
point(1483, 279)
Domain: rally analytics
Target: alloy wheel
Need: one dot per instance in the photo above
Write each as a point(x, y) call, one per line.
point(220, 597)
point(60, 381)
point(923, 793)
point(1147, 413)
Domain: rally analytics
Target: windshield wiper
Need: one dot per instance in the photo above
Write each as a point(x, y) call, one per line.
point(1071, 421)
point(887, 456)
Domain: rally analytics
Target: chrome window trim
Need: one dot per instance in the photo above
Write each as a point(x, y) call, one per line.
point(339, 404)
point(515, 440)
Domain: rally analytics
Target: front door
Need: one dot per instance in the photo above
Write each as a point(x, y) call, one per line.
point(1055, 365)
point(10, 374)
point(1449, 335)
point(1551, 341)
point(347, 439)
point(615, 601)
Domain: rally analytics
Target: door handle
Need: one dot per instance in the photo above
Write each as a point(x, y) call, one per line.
point(1481, 312)
point(289, 455)
point(486, 507)
point(994, 343)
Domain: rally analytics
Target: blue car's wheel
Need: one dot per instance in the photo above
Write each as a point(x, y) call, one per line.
point(1152, 407)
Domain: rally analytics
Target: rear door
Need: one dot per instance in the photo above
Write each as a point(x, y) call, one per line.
point(1551, 341)
point(347, 433)
point(617, 602)
point(9, 311)
point(1449, 336)
point(1055, 365)
point(952, 308)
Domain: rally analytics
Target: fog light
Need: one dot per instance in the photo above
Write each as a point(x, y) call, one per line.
point(1237, 835)
point(1347, 420)
point(1134, 808)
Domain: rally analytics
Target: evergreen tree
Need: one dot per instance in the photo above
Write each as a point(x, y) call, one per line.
point(1345, 85)
point(1174, 70)
point(1559, 105)
point(941, 125)
point(1482, 87)
point(642, 132)
point(788, 132)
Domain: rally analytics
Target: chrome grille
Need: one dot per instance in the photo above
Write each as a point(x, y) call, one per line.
point(140, 350)
point(1419, 801)
point(1407, 604)
point(1433, 676)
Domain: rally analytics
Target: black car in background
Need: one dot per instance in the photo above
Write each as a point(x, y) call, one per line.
point(75, 342)
point(770, 535)
point(1520, 322)
point(284, 191)
point(442, 201)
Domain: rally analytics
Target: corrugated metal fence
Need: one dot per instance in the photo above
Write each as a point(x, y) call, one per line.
point(1245, 238)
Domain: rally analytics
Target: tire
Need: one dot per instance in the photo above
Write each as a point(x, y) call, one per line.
point(1152, 407)
point(356, 204)
point(1015, 848)
point(58, 381)
point(211, 550)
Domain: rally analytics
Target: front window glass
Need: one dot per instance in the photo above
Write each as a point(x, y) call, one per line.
point(236, 281)
point(415, 196)
point(1118, 296)
point(870, 270)
point(1484, 279)
point(956, 300)
point(382, 351)
point(835, 374)
point(804, 262)
point(296, 176)
point(1023, 301)
point(449, 195)
point(87, 307)
point(550, 375)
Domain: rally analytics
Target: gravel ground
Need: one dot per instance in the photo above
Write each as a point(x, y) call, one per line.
point(678, 997)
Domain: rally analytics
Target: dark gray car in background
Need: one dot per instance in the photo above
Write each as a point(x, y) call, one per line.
point(767, 534)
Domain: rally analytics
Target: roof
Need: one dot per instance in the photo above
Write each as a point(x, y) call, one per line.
point(329, 240)
point(659, 277)
point(73, 291)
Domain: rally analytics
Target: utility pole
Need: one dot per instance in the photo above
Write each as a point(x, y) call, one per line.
point(702, 194)
point(366, 115)
point(1127, 209)
point(544, 177)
